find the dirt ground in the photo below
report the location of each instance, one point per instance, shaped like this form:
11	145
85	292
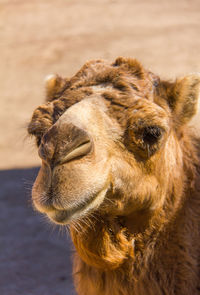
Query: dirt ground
41	37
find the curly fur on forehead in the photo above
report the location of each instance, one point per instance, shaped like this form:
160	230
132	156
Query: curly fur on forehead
125	75
119	82
101	72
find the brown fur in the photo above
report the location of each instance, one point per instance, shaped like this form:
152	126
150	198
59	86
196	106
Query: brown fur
143	235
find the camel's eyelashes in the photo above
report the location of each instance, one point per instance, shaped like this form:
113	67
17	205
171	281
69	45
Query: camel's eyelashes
143	141
147	141
151	134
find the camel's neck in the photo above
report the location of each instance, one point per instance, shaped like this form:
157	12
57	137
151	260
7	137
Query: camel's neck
106	243
109	253
104	259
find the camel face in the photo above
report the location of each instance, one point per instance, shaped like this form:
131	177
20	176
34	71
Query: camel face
90	161
106	151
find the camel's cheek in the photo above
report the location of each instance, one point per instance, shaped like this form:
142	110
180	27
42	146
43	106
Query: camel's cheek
134	190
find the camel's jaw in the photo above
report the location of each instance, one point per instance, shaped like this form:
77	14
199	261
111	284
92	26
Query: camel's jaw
66	216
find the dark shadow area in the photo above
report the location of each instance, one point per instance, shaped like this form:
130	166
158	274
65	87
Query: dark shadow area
35	256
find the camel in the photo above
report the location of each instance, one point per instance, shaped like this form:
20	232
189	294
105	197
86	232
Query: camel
120	168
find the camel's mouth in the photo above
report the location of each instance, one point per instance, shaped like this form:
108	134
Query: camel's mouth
65	216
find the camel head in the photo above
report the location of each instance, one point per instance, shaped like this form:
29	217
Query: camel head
111	141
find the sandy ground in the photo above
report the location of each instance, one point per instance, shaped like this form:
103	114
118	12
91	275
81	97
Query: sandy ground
57	36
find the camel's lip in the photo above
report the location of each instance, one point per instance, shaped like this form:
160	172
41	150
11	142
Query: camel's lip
65	216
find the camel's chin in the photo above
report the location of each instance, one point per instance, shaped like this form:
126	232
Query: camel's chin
64	217
59	216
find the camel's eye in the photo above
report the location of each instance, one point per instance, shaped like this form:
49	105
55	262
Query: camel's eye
151	134
144	141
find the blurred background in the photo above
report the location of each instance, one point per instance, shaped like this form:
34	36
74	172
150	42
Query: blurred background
42	37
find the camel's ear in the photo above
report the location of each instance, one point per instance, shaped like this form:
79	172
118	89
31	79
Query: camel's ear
55	85
184	98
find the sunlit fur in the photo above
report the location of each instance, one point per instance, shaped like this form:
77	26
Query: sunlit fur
133	202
